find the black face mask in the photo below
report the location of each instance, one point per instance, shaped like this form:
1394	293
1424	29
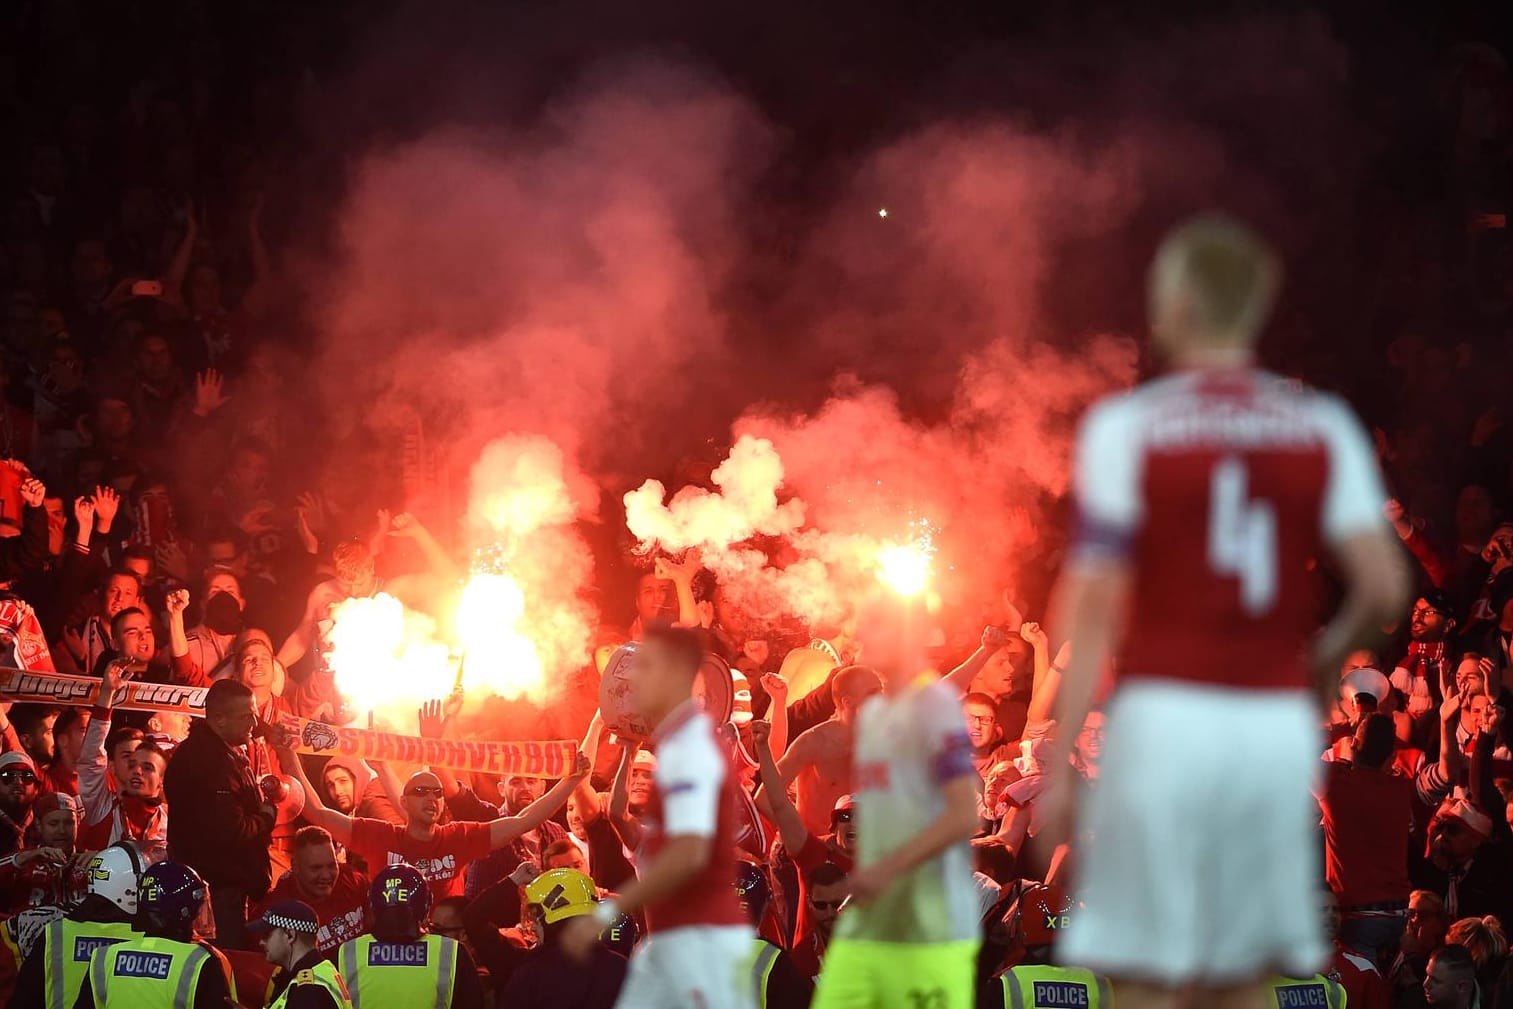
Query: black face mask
223	614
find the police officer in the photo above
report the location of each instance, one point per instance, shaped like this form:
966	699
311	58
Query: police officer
166	968
1033	923
1317	992
397	965
54	970
305	978
777	983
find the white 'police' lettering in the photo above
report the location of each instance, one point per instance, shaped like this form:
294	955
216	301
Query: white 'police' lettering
85	946
1302	996
398	954
132	963
1060	994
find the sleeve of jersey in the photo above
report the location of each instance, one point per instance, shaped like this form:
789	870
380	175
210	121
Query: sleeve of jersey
690	774
1355	494
1105	483
946	738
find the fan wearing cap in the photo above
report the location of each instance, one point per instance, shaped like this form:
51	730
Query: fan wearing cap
36	875
305	979
19	788
1469	870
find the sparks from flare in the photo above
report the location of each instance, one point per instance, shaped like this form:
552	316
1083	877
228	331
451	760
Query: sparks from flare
905	568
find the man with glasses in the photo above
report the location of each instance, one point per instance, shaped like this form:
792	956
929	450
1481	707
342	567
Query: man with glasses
442	852
18	791
825	891
1421	672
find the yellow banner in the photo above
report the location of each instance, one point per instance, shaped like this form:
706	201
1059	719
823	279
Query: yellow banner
35	687
552	759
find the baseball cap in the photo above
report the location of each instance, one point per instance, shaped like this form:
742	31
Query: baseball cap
13	757
1438	600
54	801
646	759
294	915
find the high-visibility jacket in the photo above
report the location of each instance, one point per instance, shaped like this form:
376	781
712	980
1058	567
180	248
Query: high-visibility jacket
68	946
1047	987
1317	992
766	958
323	975
399	975
150	973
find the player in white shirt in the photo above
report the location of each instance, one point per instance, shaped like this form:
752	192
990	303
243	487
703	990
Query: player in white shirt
909	934
1203	499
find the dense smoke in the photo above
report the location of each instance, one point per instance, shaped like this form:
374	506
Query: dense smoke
600	277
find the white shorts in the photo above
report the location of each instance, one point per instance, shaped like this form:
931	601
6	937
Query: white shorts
696	967
1202	867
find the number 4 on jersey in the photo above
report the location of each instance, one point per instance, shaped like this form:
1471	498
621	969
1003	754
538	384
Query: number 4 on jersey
1242	536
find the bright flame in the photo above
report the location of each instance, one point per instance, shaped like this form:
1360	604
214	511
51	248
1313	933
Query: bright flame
497	653
386	657
904	568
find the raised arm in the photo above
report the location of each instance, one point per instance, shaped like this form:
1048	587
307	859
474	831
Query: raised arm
505	829
338	824
777	712
298	642
626	825
772	797
960	679
435	722
589	804
408	527
681	574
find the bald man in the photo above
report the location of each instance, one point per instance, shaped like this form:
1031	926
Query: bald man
440	851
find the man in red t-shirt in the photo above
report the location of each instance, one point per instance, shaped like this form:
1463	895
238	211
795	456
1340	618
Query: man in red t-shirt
1368	815
338	893
440	851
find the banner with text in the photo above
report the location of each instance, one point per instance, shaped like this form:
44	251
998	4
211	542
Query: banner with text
551	759
34	687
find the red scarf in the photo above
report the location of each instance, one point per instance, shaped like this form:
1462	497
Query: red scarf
1426	659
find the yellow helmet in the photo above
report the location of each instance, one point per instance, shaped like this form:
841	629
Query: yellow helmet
561	894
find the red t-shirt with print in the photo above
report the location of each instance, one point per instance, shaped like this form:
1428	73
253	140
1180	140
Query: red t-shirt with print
441	859
342	916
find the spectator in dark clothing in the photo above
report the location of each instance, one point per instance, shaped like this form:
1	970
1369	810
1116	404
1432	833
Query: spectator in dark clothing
228	834
543	978
1472	873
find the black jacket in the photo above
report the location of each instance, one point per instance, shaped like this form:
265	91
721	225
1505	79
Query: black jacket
216	820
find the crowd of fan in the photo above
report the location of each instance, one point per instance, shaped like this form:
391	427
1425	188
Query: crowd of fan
152	524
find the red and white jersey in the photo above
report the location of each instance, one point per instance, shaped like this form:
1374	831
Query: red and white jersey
694	792
1220	488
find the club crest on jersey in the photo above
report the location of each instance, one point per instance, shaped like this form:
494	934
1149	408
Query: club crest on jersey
1060	995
